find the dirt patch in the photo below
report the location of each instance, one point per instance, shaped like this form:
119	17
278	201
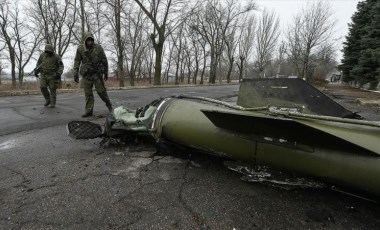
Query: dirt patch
346	90
364	102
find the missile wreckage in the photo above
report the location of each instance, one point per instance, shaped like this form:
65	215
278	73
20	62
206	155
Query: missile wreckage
285	124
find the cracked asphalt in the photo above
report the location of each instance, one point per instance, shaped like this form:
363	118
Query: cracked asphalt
49	181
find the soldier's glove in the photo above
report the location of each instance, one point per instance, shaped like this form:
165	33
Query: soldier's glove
105	77
57	76
76	78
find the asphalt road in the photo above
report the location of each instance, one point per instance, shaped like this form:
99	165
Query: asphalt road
23	113
49	181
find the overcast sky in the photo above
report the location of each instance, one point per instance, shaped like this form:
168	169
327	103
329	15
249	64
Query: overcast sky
343	10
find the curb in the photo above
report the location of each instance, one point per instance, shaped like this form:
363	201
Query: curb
364	101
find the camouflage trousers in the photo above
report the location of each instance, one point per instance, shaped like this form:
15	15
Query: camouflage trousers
88	83
47	83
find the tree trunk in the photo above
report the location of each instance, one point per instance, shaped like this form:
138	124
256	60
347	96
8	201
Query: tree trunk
213	67
150	72
241	68
120	71
20	76
176	82
203	71
195	75
230	70
120	56
157	68
189	77
13	67
132	75
82	19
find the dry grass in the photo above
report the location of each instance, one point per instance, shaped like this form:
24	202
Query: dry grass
7	86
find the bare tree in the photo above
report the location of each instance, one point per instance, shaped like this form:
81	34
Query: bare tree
177	53
280	57
230	41
82	21
189	60
185	55
192	51
93	19
56	19
208	26
21	39
158	12
268	32
27	39
325	61
198	48
205	54
213	20
6	26
197	44
169	59
245	44
148	59
2	65
310	29
117	13
136	42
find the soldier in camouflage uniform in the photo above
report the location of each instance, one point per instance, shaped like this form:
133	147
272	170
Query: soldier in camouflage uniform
50	66
91	62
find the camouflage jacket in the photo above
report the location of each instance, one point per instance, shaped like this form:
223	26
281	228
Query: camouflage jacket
49	64
89	61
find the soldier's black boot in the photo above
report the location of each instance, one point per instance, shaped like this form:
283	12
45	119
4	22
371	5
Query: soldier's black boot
109	106
46	94
52	103
47	102
87	114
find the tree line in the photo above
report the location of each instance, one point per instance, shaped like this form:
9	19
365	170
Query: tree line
189	41
361	51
